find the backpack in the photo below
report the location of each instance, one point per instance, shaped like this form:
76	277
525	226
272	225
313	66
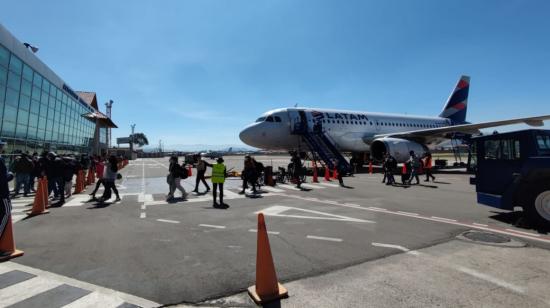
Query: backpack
183	173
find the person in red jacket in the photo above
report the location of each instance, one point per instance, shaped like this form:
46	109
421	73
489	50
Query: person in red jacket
428	167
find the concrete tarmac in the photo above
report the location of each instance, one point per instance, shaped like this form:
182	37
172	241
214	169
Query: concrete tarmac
189	252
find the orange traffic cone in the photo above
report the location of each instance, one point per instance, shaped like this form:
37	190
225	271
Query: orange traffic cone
370	167
78	186
89	180
335	173
315	176
45	193
189	171
39	205
267	287
404	169
7	244
327	174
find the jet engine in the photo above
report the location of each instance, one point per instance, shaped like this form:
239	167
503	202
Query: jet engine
398	148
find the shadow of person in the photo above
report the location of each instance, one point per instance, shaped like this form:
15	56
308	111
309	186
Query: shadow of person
346	186
273	304
254	196
100	205
440	182
426	185
305	189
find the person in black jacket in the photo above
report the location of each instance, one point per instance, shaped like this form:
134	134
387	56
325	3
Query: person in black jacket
54	172
5	204
175	175
201	170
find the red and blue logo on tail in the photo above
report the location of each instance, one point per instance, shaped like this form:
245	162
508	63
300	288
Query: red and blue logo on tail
457	104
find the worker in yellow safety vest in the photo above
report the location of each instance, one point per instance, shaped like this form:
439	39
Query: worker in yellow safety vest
218	178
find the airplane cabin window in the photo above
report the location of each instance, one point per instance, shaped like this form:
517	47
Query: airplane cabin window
370	122
260	119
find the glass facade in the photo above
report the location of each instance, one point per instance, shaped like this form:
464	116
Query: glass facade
36	115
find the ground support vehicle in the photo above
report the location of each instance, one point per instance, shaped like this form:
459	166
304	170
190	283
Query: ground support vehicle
513	169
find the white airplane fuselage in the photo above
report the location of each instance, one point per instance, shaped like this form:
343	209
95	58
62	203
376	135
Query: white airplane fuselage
351	131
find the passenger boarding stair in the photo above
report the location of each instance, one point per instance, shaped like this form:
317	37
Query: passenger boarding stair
322	146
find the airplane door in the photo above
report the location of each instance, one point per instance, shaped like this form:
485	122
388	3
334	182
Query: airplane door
298	120
377	125
294	118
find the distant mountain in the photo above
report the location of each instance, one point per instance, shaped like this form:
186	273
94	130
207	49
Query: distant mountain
201	148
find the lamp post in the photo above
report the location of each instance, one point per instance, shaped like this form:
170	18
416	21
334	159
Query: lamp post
132	140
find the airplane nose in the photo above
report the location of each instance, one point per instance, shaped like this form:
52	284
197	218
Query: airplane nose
247	136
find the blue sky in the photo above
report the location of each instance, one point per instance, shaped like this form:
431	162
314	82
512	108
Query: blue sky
196	72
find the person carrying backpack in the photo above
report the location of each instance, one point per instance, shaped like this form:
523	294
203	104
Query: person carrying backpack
174	178
415	166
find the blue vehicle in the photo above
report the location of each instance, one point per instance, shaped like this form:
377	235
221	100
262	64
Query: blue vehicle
513	169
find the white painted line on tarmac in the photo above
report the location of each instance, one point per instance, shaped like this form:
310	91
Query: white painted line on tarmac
286	186
526	233
447	221
322	238
278	210
377	208
47	280
491	279
398	247
143	206
479	225
329	185
442	218
272	189
268	232
408	213
313	186
169	221
142	215
212	226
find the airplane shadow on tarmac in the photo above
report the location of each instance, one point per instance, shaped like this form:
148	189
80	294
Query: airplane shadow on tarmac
518	220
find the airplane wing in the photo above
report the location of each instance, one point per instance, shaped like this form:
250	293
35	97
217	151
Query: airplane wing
426	135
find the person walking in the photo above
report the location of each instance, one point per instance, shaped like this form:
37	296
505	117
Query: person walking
68	173
219	173
5	203
390	164
415	165
100	172
22	167
249	174
297	169
341	170
201	170
428	167
109	180
175	175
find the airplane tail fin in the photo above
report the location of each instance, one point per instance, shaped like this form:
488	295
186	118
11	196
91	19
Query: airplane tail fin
457	104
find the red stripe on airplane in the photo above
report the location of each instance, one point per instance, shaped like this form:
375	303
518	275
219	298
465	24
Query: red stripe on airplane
459	106
462	84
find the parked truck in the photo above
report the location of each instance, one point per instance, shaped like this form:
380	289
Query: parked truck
513	169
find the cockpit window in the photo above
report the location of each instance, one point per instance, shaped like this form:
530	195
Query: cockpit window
260	119
269	119
277	119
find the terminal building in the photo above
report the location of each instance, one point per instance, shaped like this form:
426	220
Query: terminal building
40	111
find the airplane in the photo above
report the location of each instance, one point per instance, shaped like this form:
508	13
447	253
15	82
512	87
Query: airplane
216	154
371	133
